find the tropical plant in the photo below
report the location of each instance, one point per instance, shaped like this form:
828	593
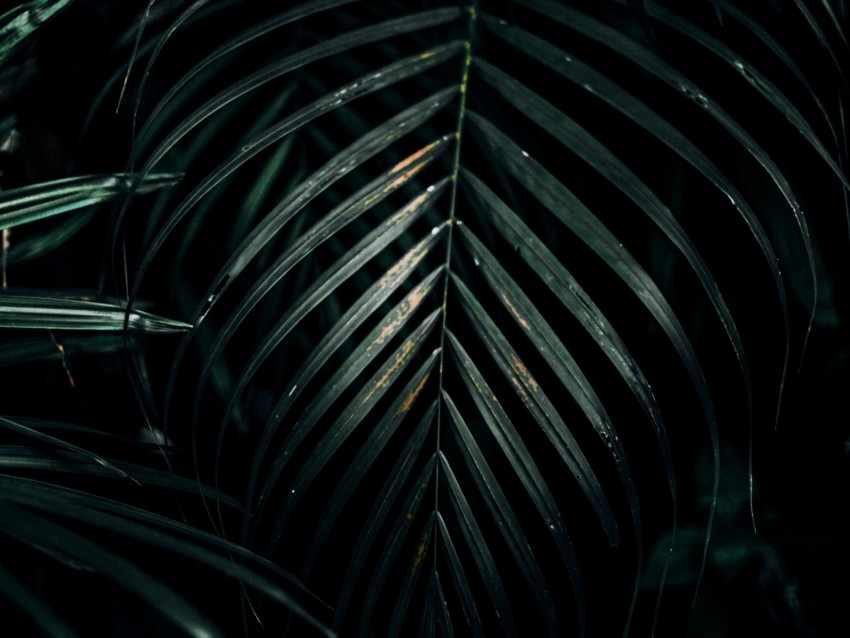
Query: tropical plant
415	318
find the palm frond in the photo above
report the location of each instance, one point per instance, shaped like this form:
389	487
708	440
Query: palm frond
330	421
444	279
31	203
59	312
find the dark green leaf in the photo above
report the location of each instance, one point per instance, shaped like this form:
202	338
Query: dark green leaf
541	409
42	615
58	312
22	428
37	531
459	577
17	24
506	519
30	203
413	575
344	327
371	392
393	543
366	456
756	78
523	464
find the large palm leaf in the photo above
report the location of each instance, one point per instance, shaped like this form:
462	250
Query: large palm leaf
442	287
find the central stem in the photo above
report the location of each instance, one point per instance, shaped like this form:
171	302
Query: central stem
467	64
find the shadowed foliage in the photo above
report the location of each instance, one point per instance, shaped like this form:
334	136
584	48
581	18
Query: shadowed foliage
380	318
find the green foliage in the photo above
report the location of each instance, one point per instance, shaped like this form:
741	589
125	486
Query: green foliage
398	318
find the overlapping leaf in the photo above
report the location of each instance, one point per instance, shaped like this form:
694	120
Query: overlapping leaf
336	413
401	255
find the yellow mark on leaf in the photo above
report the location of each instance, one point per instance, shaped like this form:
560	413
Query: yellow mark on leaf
417	560
515	312
411	208
407	161
405	310
523	372
390	329
412	396
405	265
399	181
400	358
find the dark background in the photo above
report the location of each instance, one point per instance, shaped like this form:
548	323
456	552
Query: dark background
789	578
